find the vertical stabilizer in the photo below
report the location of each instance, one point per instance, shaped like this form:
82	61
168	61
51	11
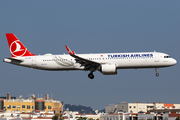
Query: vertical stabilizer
16	47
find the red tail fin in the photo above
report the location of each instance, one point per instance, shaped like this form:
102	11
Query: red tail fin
16	47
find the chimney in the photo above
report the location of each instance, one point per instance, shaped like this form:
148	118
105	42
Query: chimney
47	97
8	96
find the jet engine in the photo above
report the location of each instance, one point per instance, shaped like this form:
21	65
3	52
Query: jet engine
108	69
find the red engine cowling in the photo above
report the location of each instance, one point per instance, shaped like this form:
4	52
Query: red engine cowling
108	69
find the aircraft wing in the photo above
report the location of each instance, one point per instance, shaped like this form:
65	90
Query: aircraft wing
83	61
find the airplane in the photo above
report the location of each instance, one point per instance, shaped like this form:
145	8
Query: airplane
106	63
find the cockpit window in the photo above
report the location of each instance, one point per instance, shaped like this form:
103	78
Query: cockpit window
167	57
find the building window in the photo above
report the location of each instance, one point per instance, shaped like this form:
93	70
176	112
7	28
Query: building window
9	107
14	106
4	107
150	107
49	107
129	106
44	107
134	106
121	117
18	106
28	107
23	106
32	107
23	111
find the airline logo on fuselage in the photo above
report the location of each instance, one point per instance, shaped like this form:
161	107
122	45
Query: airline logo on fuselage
130	55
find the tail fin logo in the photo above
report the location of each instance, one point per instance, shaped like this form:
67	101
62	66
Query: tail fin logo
17	49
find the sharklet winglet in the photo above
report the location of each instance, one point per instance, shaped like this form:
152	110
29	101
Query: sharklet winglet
69	51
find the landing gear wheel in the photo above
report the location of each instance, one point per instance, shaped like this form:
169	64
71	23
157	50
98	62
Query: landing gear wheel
157	74
90	75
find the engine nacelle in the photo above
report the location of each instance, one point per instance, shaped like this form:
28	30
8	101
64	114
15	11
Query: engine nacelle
108	69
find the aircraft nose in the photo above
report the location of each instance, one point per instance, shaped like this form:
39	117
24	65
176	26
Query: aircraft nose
174	61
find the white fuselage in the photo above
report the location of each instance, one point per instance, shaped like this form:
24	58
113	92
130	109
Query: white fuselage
121	61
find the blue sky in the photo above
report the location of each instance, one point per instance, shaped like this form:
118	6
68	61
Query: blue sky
92	27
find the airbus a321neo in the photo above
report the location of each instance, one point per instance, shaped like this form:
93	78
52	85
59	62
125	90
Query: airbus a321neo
106	63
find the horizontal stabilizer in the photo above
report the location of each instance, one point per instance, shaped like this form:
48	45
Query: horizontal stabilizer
13	59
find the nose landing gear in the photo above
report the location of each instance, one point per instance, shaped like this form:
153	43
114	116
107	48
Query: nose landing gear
157	74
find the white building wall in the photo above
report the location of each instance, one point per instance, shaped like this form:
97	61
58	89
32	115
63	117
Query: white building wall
137	107
37	119
141	107
109	108
145	116
134	107
125	117
110	117
159	106
177	106
171	118
122	107
165	116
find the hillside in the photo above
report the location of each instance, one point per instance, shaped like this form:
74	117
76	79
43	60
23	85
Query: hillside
79	108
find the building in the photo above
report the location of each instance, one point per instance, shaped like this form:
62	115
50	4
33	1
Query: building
99	116
29	105
139	107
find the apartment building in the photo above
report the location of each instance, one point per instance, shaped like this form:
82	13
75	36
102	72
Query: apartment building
139	107
29	105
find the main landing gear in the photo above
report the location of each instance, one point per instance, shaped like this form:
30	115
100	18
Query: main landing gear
92	69
90	75
157	74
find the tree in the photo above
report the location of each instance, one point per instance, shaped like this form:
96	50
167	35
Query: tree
81	118
93	119
177	118
85	118
58	117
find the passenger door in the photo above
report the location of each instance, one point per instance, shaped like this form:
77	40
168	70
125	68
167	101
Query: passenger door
156	57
